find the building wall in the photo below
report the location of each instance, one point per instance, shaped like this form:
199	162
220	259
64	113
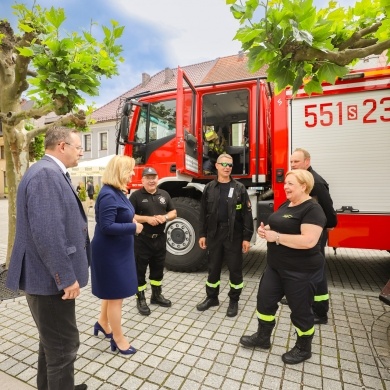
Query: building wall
96	134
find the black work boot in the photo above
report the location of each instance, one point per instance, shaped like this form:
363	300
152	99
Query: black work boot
260	339
320	320
142	307
320	310
300	352
207	303
158	299
232	309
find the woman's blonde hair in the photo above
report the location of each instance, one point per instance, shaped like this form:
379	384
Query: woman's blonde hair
118	171
304	177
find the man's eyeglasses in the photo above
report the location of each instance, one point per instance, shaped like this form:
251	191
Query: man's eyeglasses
79	148
229	165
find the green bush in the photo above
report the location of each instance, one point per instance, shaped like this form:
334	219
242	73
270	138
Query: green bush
83	194
97	189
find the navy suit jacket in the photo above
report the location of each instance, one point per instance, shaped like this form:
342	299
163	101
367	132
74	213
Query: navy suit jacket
52	248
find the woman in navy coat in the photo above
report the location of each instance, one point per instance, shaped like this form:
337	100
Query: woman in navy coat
113	269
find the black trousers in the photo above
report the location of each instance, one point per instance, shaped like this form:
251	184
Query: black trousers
58	340
150	252
299	289
221	249
321	307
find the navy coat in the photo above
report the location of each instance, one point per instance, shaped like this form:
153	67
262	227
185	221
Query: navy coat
113	269
51	249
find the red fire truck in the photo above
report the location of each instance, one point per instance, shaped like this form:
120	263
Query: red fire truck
346	130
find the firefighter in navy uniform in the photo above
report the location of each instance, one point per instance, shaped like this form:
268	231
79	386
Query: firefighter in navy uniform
153	208
226	228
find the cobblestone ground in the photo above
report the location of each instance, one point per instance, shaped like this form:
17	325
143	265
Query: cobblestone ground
181	348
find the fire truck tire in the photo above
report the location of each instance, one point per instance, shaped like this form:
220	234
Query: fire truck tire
183	251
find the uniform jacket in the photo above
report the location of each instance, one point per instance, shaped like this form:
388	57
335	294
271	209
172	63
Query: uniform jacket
320	192
51	249
239	211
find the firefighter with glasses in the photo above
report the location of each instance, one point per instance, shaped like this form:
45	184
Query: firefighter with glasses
226	228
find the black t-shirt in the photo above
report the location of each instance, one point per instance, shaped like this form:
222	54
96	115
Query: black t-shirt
148	204
288	220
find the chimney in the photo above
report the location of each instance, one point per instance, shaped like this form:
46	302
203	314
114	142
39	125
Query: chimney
145	79
240	55
168	75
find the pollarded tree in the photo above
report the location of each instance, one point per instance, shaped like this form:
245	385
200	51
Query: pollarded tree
296	41
55	71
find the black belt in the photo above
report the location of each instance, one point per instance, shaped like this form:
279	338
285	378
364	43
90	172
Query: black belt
151	235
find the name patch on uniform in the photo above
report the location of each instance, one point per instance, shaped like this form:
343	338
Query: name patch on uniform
230	192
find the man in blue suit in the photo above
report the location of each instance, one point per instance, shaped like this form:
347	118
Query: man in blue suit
51	255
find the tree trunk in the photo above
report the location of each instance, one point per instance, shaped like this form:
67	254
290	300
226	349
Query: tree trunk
17	158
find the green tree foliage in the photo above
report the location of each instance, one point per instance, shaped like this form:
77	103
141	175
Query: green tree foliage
83	194
97	190
298	42
56	71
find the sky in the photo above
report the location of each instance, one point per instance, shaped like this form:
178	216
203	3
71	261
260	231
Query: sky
158	34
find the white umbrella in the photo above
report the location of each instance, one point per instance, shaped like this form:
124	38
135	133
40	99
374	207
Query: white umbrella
91	167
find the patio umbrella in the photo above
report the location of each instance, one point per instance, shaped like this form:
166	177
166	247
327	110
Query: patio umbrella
94	167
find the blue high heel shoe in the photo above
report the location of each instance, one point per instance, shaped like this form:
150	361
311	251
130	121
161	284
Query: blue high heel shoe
129	351
98	328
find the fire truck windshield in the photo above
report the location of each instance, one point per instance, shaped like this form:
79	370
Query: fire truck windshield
162	122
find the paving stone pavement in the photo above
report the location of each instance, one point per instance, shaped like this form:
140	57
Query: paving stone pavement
181	348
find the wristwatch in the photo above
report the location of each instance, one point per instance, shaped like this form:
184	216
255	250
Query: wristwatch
277	239
166	217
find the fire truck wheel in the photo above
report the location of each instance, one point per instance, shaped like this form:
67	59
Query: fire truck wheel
183	251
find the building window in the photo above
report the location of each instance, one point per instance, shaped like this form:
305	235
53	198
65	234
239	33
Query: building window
2	155
87	142
103	141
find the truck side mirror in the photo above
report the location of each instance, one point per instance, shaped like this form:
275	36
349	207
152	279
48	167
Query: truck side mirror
124	128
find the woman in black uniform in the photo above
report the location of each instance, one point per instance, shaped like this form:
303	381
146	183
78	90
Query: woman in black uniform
294	266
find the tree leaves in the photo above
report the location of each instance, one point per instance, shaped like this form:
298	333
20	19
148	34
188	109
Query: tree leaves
298	42
66	67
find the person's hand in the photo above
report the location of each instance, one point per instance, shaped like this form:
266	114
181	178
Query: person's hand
202	242
261	230
266	234
160	218
245	246
139	228
153	221
72	292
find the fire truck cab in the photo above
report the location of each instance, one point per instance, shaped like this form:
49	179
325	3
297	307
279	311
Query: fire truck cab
181	132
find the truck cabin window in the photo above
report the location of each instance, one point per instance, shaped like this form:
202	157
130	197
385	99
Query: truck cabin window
162	123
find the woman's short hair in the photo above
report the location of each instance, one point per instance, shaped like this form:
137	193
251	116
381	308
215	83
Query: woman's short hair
304	177
117	172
